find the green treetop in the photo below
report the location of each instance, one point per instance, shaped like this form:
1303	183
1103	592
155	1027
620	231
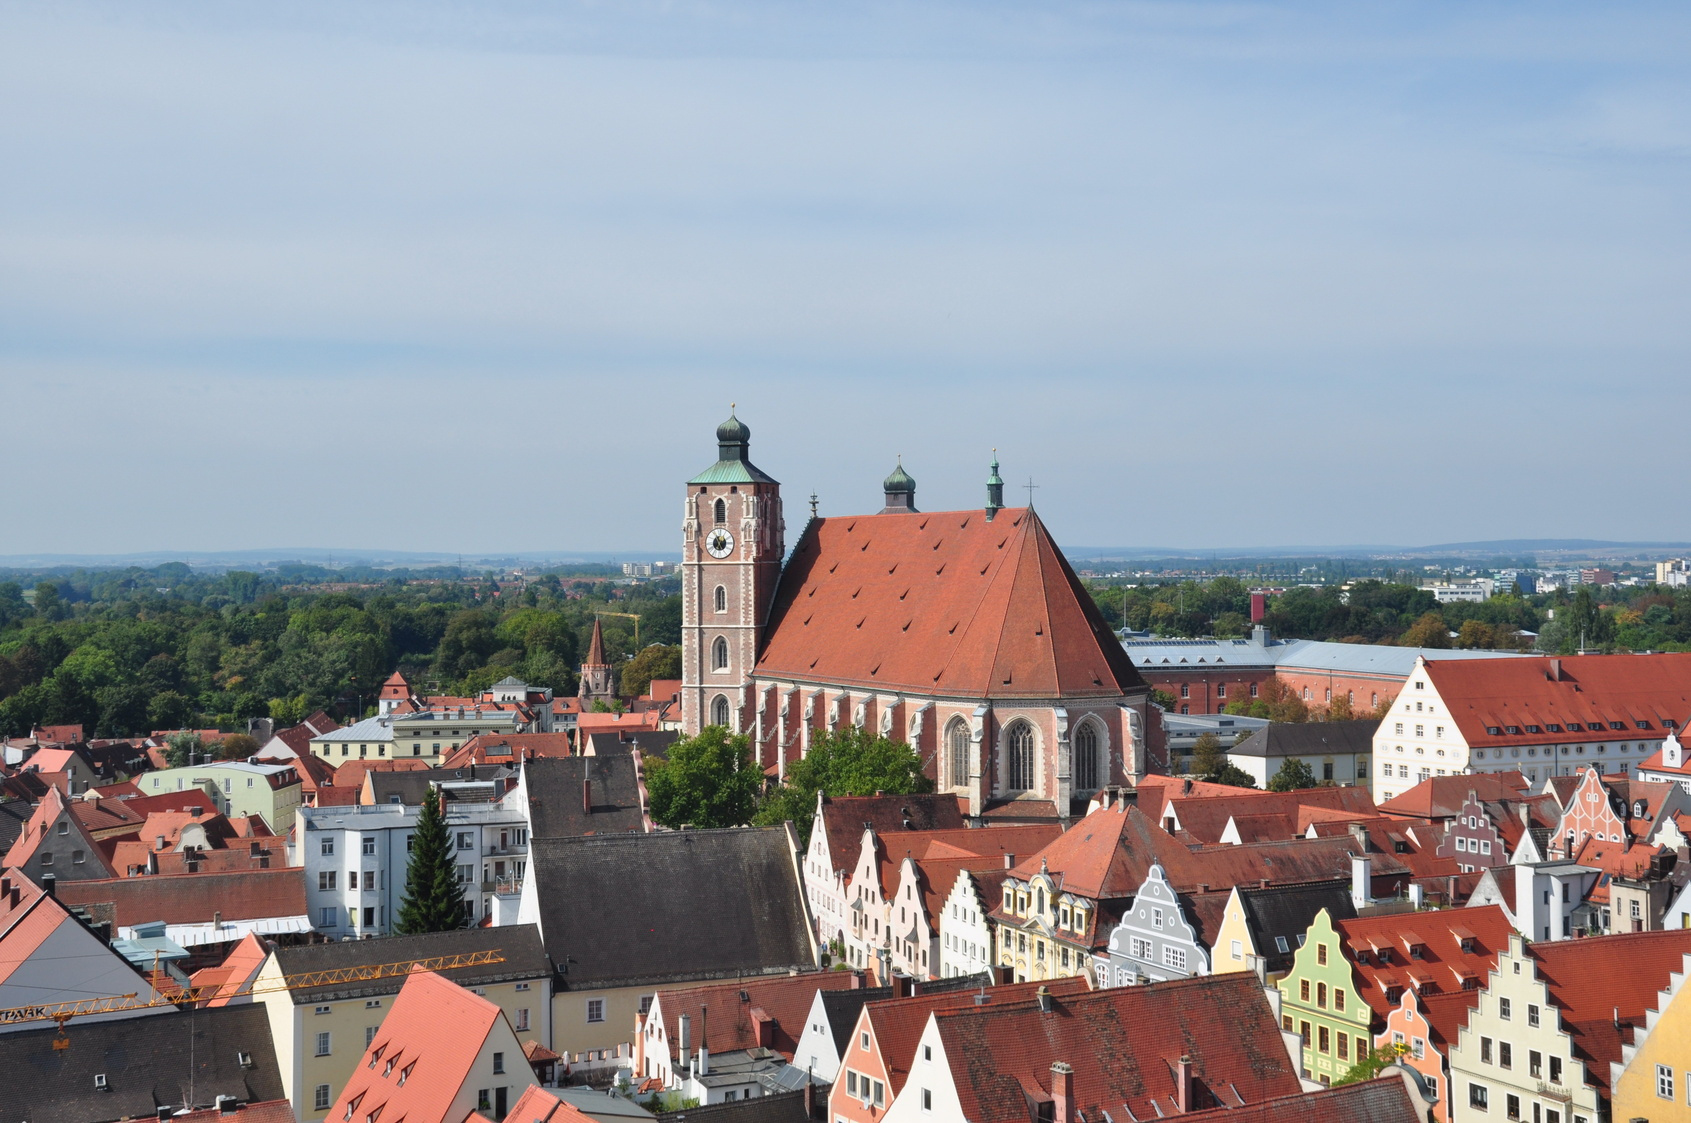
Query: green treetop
708	780
433	901
849	761
1293	774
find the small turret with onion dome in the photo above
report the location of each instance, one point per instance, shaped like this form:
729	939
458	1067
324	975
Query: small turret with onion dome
900	491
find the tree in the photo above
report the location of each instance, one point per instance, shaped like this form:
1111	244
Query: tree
1162	698
1373	1064
653	661
1232	775
433	900
238	746
1429	630
182	749
1207	755
708	780
1293	774
849	761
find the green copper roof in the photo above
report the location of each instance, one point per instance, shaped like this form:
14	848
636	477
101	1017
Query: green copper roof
733	472
899	480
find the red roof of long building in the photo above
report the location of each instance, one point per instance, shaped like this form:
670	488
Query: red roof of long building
1125	1045
1434	952
1591	691
844	818
941	603
724	1015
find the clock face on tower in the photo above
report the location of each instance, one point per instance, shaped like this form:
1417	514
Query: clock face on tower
719	543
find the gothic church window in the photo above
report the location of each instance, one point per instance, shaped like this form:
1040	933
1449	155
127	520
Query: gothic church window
1086	757
719	654
1020	757
957	748
721	599
719	711
721	512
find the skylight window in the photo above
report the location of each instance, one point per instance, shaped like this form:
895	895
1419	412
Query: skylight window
1533	729
1494	730
1554	728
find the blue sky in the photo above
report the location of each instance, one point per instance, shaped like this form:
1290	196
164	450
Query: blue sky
485	276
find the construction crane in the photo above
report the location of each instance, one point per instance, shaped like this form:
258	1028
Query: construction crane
634	616
62	1012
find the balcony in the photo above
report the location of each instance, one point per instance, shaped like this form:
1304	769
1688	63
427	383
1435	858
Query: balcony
503	885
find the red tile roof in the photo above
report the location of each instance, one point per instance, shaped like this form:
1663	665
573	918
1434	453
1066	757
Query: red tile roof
1124	1044
350	776
1584	689
1595	981
1442	965
664	689
1385	1100
1441	797
238	969
411	1070
508	748
723	1014
1205	817
52	807
194	898
62	734
897	1023
590	722
537	1105
940	855
942	602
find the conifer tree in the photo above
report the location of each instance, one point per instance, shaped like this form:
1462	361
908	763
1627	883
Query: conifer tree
433	901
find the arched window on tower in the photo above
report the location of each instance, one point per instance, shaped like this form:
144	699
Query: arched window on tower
719	711
721	599
957	752
719	654
1085	776
1019	743
721	512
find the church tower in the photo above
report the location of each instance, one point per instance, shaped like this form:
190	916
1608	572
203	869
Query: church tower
597	678
732	542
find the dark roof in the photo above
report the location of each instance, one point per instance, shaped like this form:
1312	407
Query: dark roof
1308	739
842	1008
844	818
555	790
786	1107
1385	1100
147	1062
1288	910
671	907
651	742
412	787
193	898
525	958
14	813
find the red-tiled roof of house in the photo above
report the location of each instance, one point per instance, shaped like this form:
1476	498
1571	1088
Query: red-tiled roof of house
1414	844
28	917
297	738
194	898
315	772
1125	1045
1655	762
126	789
1605	979
941	603
411	1070
189	799
728	1012
1385	1100
1589	690
1441	797
537	1105
396	687
59	734
1441	962
53	805
844	818
535	1051
350	776
1205	818
56	760
664	689
337	797
591	722
102	817
237	971
508	748
897	1023
940	855
1155	790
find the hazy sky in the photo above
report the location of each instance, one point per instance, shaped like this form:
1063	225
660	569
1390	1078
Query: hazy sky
484	276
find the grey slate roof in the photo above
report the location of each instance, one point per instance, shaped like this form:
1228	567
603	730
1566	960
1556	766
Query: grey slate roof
672	907
525	958
411	787
148	1063
786	1107
842	1008
650	742
1304	654
555	795
14	813
1308	739
1288	911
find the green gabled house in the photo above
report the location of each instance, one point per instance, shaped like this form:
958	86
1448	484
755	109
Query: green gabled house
1319	1002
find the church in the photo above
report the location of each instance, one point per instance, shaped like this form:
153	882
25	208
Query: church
964	633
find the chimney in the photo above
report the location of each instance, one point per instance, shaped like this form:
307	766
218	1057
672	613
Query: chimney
587	797
152	861
809	1096
639	1042
1183	1084
1555	674
704	1038
50	884
856	980
1186	786
1044	997
1062	1093
1361	880
763	1029
684	1038
216	921
227	1105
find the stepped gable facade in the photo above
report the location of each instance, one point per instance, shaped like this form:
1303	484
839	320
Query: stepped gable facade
964	633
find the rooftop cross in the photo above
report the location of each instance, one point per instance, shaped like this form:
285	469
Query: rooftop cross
1030	485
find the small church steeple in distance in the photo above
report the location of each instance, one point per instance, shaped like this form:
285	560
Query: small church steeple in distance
597	679
994	490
